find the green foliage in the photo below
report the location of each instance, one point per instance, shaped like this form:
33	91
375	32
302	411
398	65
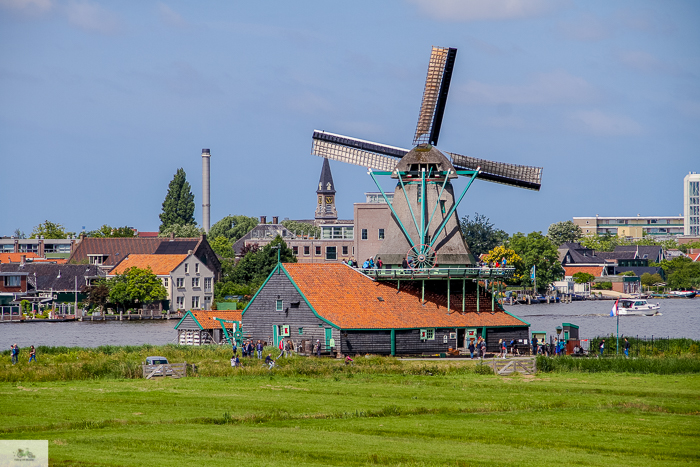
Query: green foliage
255	266
583	277
681	272
222	246
107	231
513	260
98	294
626	273
181	231
233	227
562	232
605	242
223	289
136	286
302	228
178	206
50	230
602	285
25	306
651	279
649	365
686	247
536	249
481	235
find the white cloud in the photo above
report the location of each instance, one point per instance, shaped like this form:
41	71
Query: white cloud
92	17
170	17
26	6
600	123
477	10
558	87
640	60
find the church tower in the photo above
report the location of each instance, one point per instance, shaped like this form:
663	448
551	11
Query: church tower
325	209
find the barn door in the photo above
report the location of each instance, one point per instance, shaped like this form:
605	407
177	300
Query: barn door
328	338
275	335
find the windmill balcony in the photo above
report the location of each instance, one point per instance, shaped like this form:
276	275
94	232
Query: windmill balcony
439	273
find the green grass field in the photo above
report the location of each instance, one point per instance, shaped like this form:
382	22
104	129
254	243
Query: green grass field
343	418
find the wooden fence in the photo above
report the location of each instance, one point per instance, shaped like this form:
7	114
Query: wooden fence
526	366
173	370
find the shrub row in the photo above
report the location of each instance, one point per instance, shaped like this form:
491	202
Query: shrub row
649	365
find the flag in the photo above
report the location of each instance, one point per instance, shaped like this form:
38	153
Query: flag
532	273
613	312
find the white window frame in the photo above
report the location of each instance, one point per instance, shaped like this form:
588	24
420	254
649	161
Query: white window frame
207	284
180	283
195	301
380	234
279	305
195	282
196	268
180	302
187	268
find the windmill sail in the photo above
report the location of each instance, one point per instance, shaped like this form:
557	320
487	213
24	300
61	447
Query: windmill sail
437	86
383	157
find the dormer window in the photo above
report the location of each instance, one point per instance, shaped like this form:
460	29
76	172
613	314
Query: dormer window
97	259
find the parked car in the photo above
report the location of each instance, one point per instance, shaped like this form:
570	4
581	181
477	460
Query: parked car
156	362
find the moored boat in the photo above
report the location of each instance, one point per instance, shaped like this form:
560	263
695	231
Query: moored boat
637	307
681	294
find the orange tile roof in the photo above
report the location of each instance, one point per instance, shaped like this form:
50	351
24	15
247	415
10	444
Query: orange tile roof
694	256
206	317
17	257
349	299
161	265
595	270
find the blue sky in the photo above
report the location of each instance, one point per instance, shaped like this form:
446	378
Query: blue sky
101	102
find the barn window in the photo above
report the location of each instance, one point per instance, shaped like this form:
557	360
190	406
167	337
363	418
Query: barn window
279	305
294	304
430	334
301	331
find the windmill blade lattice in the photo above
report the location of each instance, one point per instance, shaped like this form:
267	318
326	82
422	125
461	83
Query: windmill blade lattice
356	151
437	86
521	176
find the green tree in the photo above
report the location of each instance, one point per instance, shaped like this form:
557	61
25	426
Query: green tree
178	207
222	246
19	234
98	294
302	228
136	286
651	279
562	232
605	242
254	267
681	272
232	227
583	277
182	231
537	250
107	231
686	247
481	235
50	230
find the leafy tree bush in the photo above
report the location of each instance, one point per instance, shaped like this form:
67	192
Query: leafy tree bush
537	250
181	231
232	227
50	229
136	286
302	228
562	232
107	231
222	246
178	206
512	260
481	235
583	277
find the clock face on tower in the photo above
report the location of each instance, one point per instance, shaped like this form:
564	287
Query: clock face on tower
329	200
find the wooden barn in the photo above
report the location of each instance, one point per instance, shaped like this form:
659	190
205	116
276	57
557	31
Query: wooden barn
200	327
339	305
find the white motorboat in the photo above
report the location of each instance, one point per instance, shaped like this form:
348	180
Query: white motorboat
638	307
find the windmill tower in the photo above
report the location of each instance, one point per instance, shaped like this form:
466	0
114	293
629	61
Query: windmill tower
425	231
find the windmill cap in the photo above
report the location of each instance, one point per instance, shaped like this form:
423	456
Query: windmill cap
205	151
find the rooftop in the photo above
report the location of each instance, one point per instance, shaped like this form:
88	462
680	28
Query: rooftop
161	265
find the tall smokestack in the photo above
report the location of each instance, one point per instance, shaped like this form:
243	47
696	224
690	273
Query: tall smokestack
205	190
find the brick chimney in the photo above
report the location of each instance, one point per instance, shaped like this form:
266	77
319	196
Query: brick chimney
22	260
275	219
263	219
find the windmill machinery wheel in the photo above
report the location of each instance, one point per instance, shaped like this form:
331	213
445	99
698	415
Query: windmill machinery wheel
421	257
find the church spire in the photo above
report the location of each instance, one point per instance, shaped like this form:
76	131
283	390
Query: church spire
325	210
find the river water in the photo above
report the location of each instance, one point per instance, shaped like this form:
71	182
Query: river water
679	318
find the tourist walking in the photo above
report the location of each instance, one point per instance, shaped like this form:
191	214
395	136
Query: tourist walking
627	348
259	348
483	347
601	347
504	349
32	354
471	348
281	347
318	348
379	263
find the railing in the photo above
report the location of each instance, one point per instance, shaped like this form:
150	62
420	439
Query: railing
438	273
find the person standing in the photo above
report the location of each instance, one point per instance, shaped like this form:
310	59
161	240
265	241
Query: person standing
471	348
259	348
627	348
483	348
504	348
13	353
32	354
318	348
601	347
379	263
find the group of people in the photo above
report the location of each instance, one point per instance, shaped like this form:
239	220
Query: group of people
250	349
14	354
503	263
369	263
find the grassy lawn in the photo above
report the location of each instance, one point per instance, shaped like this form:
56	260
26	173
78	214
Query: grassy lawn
359	419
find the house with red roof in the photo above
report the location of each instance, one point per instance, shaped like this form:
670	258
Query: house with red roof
189	282
201	327
350	313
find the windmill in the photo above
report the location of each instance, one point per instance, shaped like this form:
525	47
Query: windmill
426	229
